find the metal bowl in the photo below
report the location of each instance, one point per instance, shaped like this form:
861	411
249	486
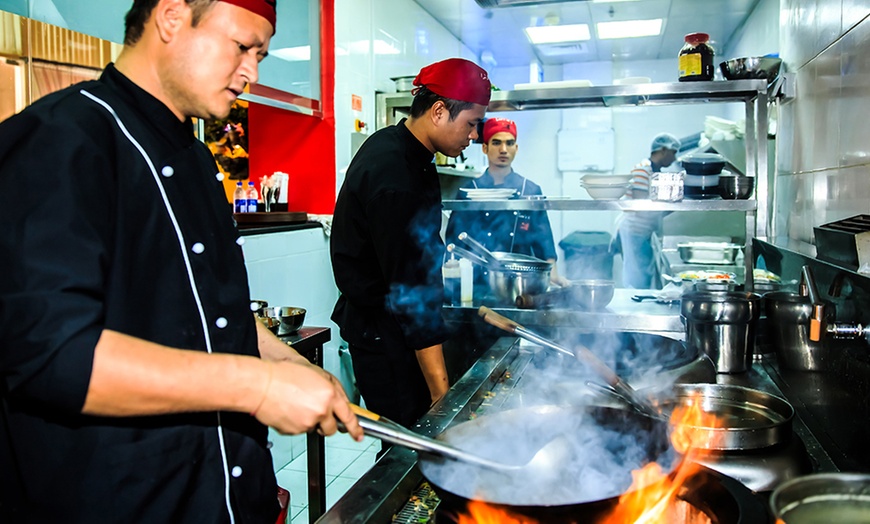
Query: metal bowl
290	319
736	187
591	294
751	67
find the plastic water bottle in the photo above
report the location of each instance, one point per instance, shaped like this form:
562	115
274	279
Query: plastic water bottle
452	284
240	199
252	198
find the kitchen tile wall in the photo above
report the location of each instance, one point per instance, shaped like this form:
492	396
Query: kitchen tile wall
292	268
376	40
823	157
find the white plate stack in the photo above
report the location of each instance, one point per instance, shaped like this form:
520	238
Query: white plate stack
489	194
605	187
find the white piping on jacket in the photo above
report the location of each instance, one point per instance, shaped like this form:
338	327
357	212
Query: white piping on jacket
190	277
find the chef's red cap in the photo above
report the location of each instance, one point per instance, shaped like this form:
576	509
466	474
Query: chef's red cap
498	125
457	79
264	8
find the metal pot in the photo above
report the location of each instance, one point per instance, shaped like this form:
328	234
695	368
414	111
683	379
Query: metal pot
752	419
843	498
722	324
606	444
507	285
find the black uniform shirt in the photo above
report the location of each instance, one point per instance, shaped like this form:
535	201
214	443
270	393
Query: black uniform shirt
113	218
525	232
386	245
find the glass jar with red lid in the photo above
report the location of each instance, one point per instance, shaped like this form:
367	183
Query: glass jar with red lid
696	58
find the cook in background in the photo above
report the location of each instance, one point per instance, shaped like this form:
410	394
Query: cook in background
636	228
386	244
525	232
135	384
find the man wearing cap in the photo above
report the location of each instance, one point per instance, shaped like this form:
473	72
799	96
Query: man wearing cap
135	384
525	232
386	246
636	228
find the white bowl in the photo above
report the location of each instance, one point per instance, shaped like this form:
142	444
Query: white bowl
606	192
605	180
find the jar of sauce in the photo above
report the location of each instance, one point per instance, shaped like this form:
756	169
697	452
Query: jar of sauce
696	58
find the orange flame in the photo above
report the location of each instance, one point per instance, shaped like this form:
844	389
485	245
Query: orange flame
482	513
652	491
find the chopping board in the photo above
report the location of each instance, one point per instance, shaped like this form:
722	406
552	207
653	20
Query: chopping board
274	218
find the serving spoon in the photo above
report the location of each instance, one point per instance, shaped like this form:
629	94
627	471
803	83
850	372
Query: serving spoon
374	425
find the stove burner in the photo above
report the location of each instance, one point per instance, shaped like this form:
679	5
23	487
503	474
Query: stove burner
707	497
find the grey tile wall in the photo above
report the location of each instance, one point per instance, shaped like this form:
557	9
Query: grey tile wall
823	142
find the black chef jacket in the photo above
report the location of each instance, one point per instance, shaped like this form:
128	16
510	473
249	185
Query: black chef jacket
114	217
386	244
525	232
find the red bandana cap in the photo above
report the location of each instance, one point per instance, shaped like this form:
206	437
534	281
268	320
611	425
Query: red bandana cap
456	78
498	125
264	8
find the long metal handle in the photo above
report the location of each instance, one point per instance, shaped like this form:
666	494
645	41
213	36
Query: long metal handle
817	321
582	353
479	248
385	429
464	253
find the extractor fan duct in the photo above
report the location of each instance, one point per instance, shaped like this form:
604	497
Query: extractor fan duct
489	4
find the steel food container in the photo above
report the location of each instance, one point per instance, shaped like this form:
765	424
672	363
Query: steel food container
722	325
708	252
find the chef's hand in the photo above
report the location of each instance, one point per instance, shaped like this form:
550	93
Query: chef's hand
300	397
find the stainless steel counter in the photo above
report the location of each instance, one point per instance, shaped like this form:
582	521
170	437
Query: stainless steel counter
622	314
382	491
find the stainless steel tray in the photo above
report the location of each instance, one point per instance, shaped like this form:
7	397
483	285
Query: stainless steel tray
708	252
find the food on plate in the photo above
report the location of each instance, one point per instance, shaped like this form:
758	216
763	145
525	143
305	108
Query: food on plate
763	274
706	275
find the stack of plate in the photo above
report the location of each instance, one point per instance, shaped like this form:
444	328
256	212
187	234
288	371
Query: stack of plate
605	187
488	194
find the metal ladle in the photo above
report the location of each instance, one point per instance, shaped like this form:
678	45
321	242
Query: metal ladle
374	425
583	353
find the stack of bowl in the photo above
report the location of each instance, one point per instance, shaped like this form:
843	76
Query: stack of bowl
605	187
702	175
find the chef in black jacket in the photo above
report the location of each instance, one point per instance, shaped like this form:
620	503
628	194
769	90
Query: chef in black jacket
386	246
135	385
523	232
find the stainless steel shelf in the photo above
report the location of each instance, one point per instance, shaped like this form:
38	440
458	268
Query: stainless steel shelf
521	204
638	94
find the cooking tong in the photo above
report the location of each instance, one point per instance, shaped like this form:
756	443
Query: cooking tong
620	387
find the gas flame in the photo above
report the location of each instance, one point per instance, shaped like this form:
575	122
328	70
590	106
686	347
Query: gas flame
652	491
482	513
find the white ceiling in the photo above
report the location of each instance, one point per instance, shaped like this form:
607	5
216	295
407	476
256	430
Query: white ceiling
500	30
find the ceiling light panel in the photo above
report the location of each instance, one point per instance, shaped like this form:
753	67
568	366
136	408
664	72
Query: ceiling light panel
629	28
553	34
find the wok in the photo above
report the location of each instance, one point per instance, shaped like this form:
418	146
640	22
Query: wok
604	445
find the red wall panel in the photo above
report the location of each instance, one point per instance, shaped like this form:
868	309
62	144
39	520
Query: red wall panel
300	145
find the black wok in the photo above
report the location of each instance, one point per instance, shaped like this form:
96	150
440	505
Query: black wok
607	443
